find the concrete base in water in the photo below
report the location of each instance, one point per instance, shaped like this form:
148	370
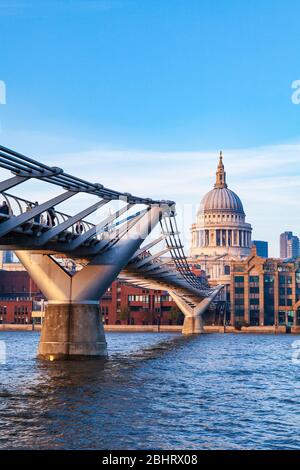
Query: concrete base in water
71	332
192	326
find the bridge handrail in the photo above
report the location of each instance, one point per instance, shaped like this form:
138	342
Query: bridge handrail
27	167
87	225
177	253
58	214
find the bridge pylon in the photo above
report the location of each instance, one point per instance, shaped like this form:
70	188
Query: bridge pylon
193	311
72	327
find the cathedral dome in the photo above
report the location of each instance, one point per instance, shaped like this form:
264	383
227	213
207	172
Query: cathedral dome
221	198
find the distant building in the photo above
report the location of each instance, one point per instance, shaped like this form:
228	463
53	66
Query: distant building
9	261
125	304
293	247
265	292
8	257
289	245
262	248
19	297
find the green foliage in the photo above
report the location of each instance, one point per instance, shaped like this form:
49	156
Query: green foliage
124	314
175	314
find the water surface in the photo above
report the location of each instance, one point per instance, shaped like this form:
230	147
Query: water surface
156	391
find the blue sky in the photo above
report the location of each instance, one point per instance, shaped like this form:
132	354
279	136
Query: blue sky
150	90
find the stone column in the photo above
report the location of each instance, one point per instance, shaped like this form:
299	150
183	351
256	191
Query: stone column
236	238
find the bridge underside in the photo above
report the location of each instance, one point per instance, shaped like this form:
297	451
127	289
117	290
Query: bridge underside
72	327
114	247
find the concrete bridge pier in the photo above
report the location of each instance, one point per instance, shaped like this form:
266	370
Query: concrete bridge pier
193	325
72	331
193	312
72	327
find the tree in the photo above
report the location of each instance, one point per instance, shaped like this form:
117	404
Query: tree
175	315
124	314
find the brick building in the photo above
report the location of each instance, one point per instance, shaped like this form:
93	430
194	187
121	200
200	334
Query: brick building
124	304
18	297
265	291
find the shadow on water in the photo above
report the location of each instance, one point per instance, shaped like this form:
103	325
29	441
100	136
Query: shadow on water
66	373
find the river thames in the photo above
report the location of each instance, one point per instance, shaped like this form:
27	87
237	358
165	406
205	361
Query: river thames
156	391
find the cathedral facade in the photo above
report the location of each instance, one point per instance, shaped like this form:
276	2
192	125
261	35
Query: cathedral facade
220	234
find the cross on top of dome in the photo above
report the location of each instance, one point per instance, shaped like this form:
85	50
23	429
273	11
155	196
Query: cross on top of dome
221	174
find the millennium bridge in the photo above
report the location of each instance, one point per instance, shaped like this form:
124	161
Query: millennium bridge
116	246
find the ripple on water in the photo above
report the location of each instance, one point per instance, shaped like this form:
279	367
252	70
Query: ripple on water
155	391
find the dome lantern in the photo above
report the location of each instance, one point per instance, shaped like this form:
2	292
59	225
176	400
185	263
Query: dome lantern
221	199
221	174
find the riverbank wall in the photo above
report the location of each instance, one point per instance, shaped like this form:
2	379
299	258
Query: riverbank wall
172	329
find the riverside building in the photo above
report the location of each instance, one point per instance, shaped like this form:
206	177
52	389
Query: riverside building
265	292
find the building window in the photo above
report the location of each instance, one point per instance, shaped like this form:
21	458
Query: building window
224	237
285	280
254	317
218	238
239	290
226	270
239	269
269	299
290	318
281	318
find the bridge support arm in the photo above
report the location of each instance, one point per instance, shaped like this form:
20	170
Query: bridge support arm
70	330
72	327
193	314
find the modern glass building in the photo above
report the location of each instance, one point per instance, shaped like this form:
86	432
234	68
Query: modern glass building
262	248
